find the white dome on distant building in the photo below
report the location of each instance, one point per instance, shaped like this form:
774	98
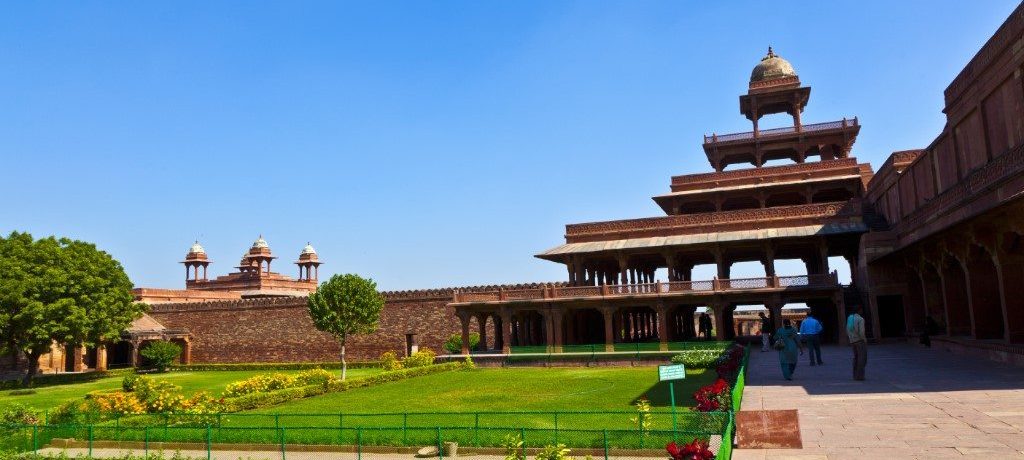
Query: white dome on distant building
196	248
308	249
260	243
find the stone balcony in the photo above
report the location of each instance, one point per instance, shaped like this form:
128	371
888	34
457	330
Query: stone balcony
666	290
828	140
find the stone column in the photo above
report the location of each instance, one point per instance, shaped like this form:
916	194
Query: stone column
556	326
78	361
101	358
186	353
481	322
134	353
662	321
609	328
718	310
774	307
506	331
464	319
841	336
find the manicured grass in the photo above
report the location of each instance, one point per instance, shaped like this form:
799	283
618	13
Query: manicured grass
542	391
190	381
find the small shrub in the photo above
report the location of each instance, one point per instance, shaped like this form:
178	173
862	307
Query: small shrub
21	392
161	354
454	343
549	452
74	412
157	395
697	359
389	361
643	420
468	362
260	384
713	397
424	357
513	445
129	381
16	415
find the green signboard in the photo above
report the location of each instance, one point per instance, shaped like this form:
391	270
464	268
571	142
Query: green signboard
671	372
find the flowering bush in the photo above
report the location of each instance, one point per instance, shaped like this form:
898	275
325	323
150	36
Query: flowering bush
696	450
389	361
314	377
728	364
118	403
424	357
259	384
697	359
713	397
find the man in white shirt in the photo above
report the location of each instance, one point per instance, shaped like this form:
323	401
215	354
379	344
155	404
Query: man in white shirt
858	341
810	332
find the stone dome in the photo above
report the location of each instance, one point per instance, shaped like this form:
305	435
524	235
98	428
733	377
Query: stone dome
308	254
196	248
308	249
771	67
260	243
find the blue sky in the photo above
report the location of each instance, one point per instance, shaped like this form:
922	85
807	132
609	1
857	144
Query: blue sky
424	144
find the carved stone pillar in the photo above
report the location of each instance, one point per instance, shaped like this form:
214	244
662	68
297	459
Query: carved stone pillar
101	358
506	331
481	322
662	321
464	320
609	328
186	353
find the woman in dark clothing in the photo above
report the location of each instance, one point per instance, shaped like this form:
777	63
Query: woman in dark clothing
790	343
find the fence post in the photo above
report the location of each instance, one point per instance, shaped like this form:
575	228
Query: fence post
606	444
281	433
208	442
277	420
90	440
145	441
359	443
556	428
35	439
522	436
476	430
440	452
405	428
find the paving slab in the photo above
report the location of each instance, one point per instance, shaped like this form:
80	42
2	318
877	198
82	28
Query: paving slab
917	402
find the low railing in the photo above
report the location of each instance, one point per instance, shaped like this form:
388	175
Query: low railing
768	133
828	280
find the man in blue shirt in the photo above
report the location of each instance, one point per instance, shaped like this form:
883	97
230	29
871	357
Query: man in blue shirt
810	331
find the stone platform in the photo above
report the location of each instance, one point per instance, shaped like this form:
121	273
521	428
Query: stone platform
917	403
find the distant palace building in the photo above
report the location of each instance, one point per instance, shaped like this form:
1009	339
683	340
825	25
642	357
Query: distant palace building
934	239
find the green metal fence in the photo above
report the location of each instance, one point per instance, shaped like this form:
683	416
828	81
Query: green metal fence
597	433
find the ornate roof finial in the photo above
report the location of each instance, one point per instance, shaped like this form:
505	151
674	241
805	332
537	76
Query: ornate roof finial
771	54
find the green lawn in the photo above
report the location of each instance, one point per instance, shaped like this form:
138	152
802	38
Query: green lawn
190	381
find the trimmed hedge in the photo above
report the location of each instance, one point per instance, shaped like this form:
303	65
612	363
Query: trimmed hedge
271	398
61	379
272	366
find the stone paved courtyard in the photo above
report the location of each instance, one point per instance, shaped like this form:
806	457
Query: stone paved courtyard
916	403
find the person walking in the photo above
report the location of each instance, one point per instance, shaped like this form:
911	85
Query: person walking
766	331
810	332
858	342
787	342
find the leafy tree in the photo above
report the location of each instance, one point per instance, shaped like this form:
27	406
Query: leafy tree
346	305
161	354
60	290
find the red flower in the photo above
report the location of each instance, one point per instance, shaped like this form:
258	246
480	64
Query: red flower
695	450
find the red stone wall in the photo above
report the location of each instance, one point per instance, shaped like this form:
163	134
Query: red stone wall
280	329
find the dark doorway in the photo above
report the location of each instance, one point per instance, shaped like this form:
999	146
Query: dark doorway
891	319
410	341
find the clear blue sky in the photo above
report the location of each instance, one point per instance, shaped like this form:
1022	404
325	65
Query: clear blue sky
424	144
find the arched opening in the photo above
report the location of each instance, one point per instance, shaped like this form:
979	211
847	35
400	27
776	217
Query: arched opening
636	324
741	202
954	284
748	321
913	304
1011	266
528	329
931	293
984	291
584	326
682	324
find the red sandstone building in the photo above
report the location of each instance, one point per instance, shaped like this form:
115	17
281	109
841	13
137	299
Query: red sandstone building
935	233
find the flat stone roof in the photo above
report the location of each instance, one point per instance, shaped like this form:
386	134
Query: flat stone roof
705	238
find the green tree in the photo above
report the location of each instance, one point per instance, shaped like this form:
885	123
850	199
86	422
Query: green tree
346	305
60	291
161	354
